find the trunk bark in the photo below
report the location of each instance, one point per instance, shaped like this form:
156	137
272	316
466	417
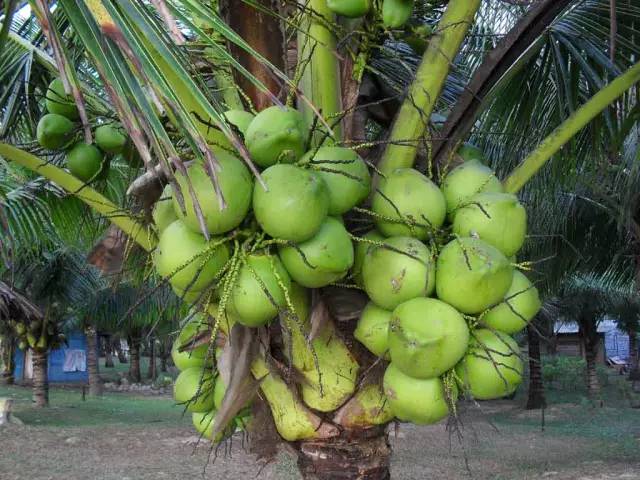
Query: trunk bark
95	386
152	372
40	378
355	455
634	363
108	353
134	354
536	399
7	349
163	356
591	355
122	358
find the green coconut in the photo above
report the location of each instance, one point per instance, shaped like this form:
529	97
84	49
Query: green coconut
497	218
58	102
321	260
276	135
519	306
345	173
203	423
360	251
182	256
190	296
294	205
194	389
470	152
471	275
395	13
373	330
239	119
236	183
402	270
85	161
110	138
407	195
163	213
420	401
54	131
349	8
427	337
196	356
492	367
468	179
250	304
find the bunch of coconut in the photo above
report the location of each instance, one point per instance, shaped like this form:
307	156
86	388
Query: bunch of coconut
59	129
445	297
36	334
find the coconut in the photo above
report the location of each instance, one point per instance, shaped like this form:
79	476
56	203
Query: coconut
85	161
349	8
321	260
469	152
276	134
195	357
373	330
497	218
249	302
294	205
54	131
345	173
203	423
194	389
407	195
427	337
395	13
520	305
468	179
110	139
418	401
471	275
360	251
402	270
492	367
236	184
163	213
58	102
239	119
181	258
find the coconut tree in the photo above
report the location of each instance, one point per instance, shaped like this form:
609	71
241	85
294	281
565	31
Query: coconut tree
184	78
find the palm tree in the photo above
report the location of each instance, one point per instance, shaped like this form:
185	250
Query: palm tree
170	74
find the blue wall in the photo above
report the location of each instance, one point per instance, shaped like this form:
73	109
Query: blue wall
76	341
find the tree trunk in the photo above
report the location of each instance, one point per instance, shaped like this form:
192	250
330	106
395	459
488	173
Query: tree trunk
122	358
134	354
152	372
95	386
591	355
40	378
7	349
108	352
634	364
163	356
355	455
536	399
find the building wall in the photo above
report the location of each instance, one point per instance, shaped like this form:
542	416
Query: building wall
570	344
76	340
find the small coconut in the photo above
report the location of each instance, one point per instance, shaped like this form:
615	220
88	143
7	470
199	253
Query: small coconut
373	329
468	179
194	389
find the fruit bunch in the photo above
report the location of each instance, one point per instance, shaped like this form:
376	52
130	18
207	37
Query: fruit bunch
37	334
59	130
395	13
438	270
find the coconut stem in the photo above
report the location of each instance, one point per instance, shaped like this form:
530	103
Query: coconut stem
413	118
317	55
562	134
129	225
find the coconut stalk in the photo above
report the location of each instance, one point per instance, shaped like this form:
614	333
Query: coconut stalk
572	125
317	55
141	234
411	123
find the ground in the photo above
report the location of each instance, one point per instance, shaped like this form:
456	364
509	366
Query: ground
124	436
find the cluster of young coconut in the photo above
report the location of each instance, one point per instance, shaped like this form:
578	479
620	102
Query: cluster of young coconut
394	13
37	334
439	269
59	130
